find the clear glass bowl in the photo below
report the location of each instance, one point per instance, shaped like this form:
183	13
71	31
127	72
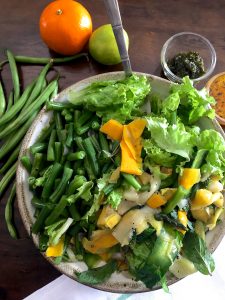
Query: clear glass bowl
186	42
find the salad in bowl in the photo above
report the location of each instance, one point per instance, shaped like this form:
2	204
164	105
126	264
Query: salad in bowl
124	179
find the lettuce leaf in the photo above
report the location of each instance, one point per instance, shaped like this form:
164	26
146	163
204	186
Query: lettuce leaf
211	140
171	138
115	197
119	100
194	104
158	156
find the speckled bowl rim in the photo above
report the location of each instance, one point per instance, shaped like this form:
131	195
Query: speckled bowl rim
114	284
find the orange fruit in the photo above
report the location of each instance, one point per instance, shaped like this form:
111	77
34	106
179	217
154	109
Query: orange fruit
65	26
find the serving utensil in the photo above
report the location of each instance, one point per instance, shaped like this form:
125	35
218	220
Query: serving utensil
113	12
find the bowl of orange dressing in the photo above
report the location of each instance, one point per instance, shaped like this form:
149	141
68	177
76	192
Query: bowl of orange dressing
216	89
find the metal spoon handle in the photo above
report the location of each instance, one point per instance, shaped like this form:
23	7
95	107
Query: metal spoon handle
113	11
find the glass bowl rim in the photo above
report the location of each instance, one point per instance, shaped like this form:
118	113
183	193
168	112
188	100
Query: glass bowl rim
205	40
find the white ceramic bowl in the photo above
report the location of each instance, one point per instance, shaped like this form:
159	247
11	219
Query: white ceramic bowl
119	282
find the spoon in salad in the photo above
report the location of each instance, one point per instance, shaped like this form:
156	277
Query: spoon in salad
113	12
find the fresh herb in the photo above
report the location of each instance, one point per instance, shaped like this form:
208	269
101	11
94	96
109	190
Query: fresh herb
195	250
97	275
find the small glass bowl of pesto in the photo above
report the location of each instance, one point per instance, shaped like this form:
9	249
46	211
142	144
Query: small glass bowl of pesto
188	54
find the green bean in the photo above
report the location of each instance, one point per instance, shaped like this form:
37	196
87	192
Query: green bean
2	100
74	212
39	86
107	167
68	117
51	151
88	169
91	155
76	116
26	114
57	211
9	213
59	126
69	139
77	182
45	60
58	151
58	106
80	171
64	112
47	189
5	181
131	180
26	162
95	125
95	143
12	142
81	130
85	116
15	109
76	156
104	145
38	147
43	242
108	188
180	193
45	133
78	141
40	220
10	101
199	158
13	157
38	161
37	203
67	174
15	76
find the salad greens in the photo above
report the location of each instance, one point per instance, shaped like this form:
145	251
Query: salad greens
144	216
120	100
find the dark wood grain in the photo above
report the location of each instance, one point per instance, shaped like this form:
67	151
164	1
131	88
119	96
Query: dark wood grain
149	24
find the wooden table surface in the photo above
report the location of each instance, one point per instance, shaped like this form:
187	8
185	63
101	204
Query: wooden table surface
149	24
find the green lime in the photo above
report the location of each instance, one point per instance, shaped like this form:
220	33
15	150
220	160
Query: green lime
103	47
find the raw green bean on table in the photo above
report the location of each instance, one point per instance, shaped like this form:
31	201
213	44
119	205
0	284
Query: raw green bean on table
39	85
15	75
13	157
9	212
44	60
6	179
2	100
10	101
15	139
27	113
16	108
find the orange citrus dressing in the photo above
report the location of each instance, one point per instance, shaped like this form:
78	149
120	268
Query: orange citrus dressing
217	90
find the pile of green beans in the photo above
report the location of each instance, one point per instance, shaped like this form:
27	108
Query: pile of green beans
70	152
17	112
